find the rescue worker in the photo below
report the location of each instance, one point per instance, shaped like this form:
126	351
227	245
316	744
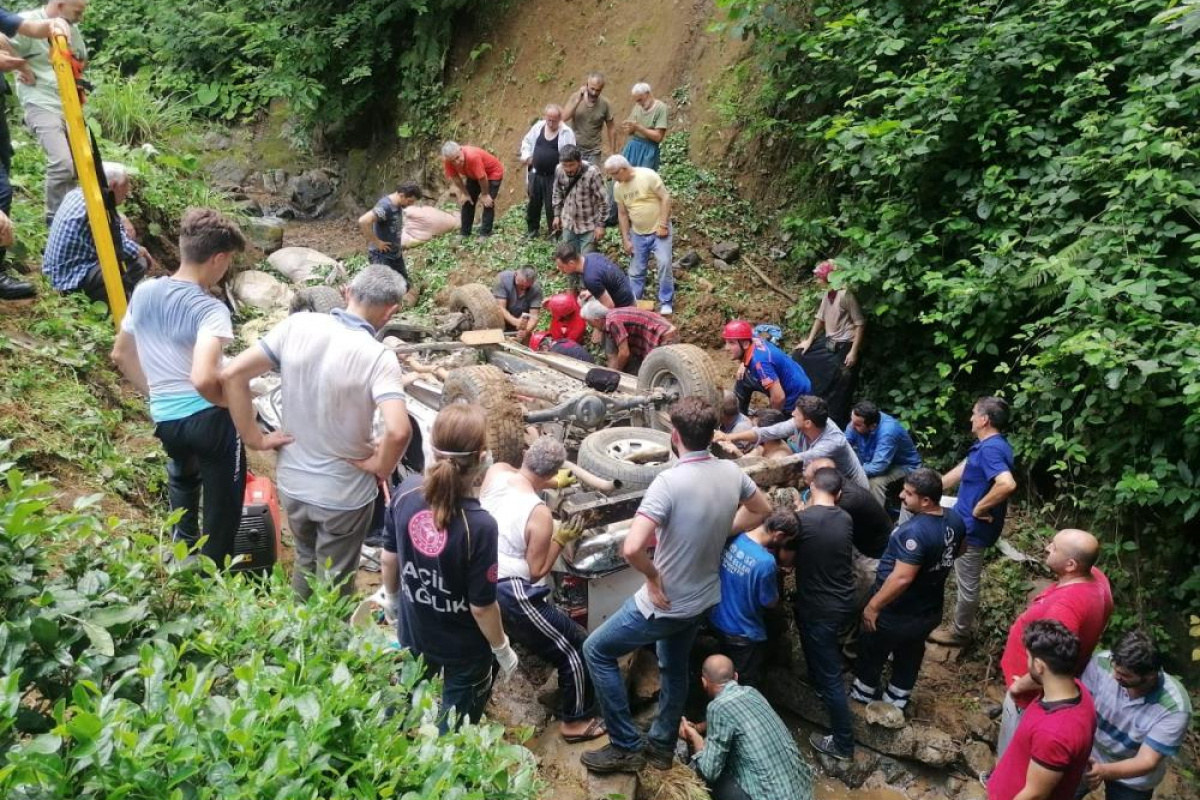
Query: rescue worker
764	368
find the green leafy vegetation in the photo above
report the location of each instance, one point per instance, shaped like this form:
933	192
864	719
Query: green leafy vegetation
338	65
1013	191
124	675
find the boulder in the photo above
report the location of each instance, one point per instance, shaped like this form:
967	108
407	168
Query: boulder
303	265
274	180
228	172
726	251
978	757
311	192
266	233
259	290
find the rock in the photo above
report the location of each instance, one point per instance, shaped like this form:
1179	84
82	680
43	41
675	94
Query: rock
726	251
303	265
971	790
514	703
274	180
616	786
854	772
778	253
722	265
885	715
690	260
260	290
941	654
228	171
980	726
644	679
216	140
978	757
266	233
311	192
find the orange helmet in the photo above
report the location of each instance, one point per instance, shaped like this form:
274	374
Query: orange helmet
736	330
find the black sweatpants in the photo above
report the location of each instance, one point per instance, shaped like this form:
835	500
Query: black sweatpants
468	209
903	638
206	457
541	201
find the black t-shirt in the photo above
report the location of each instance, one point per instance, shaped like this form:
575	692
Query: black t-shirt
824	564
442	574
601	275
872	524
930	542
545	154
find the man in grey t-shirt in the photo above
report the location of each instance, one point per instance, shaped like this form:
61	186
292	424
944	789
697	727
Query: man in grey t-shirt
694	508
519	296
811	432
334	376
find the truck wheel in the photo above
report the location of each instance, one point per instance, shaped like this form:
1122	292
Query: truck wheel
488	386
605	453
476	301
321	299
681	368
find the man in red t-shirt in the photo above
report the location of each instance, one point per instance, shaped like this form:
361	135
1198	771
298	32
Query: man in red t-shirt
470	169
1049	751
1081	600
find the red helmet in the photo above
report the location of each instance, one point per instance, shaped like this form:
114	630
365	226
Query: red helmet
535	341
737	329
562	305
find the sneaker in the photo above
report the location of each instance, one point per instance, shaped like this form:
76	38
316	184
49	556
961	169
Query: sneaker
666	310
824	744
611	758
659	759
13	289
531	235
946	635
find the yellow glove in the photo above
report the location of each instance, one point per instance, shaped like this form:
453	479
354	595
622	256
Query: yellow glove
564	478
567	532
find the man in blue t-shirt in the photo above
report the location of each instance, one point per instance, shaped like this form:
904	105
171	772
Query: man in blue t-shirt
764	368
602	279
909	589
749	586
383	226
985	480
882	445
169	347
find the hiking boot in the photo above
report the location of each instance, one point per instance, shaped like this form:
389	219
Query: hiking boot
13	289
659	759
824	744
947	636
611	758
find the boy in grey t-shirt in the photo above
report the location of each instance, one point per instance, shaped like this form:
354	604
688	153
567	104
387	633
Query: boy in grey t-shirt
169	347
694	508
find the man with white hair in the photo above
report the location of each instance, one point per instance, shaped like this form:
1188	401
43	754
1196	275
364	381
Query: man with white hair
471	169
646	128
630	333
528	545
540	155
644	211
334	376
71	261
37	89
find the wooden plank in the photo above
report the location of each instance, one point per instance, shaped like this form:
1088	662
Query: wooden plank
571	367
490	336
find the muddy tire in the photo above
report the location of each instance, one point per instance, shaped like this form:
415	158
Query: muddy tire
319	299
683	368
488	386
476	301
601	454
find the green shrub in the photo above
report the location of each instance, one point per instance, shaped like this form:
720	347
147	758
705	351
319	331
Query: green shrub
1014	189
128	111
122	676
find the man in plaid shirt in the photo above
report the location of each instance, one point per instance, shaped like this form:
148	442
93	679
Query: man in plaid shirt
71	262
630	333
749	752
580	201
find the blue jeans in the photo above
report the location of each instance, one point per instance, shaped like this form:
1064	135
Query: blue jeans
643	246
823	654
466	689
584	242
624	632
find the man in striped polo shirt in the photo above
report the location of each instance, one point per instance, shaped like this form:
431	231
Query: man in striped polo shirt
1142	717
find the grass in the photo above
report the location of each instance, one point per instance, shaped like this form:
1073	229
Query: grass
129	113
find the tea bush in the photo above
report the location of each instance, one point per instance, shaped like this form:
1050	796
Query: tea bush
124	676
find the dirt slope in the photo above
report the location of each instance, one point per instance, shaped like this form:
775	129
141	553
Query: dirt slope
532	52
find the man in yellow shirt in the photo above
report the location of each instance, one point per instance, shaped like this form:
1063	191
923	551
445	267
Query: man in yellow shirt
644	212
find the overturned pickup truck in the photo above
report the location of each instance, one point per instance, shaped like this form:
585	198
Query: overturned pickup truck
614	426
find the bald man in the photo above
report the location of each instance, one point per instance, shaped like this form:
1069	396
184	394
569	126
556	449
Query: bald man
1080	599
749	752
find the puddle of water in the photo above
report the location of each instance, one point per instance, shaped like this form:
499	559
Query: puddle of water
829	789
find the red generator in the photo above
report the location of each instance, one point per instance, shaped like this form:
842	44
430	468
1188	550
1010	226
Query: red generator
257	538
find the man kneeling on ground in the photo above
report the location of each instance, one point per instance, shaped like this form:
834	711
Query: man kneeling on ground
629	333
71	261
749	753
